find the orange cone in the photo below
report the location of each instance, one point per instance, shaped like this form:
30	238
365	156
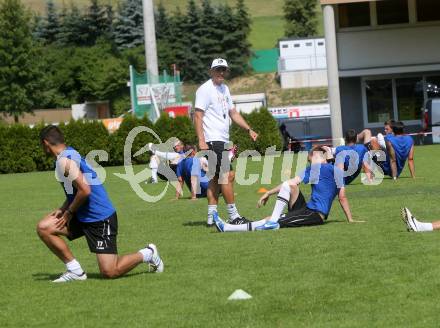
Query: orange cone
262	190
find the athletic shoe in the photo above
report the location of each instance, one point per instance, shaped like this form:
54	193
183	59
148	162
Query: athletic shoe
239	220
70	276
269	225
408	219
156	263
220	225
150	181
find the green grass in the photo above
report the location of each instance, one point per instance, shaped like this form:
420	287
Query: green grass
256	7
266	31
373	274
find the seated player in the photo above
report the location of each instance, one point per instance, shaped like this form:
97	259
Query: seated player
398	148
174	157
413	224
351	157
326	182
365	136
192	171
87	211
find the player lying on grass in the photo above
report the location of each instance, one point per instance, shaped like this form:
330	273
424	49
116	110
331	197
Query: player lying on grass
415	225
326	182
399	148
352	158
192	172
87	211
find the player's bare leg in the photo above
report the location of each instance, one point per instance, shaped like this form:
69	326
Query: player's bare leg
51	236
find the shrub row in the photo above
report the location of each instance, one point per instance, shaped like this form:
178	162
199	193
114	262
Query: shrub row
20	149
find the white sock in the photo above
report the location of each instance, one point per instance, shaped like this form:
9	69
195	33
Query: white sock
211	210
233	212
243	227
154	174
282	200
423	226
147	254
75	267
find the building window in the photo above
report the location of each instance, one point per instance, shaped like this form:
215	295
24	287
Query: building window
296	45
354	14
320	43
379	100
428	10
285	46
433	86
392	12
409	95
309	44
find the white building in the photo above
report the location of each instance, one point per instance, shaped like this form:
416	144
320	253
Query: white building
383	57
302	63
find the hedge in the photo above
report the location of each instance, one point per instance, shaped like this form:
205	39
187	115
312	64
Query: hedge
20	149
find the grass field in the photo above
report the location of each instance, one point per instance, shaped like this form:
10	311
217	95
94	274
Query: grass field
372	274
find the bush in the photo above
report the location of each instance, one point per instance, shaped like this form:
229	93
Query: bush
17	146
117	141
265	125
180	127
20	149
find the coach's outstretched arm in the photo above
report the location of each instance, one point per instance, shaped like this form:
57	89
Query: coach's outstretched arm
412	169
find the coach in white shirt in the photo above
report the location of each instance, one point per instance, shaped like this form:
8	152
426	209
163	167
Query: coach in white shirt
213	113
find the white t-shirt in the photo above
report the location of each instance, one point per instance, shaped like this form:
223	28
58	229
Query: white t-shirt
216	102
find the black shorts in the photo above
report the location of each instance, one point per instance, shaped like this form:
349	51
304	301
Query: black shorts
100	235
218	147
299	215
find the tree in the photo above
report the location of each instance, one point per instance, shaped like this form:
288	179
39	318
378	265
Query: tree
96	21
194	69
52	23
129	31
20	75
243	27
211	34
73	29
300	16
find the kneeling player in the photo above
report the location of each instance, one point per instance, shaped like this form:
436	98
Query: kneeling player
87	211
327	182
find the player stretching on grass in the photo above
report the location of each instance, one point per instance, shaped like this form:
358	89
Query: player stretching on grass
351	157
87	211
399	148
327	181
415	225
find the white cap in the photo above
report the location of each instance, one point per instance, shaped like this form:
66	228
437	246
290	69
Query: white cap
219	62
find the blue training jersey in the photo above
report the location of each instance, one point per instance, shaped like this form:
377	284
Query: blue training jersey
97	207
326	180
352	156
402	146
191	166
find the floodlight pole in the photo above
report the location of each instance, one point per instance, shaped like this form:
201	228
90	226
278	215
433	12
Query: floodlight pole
150	41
